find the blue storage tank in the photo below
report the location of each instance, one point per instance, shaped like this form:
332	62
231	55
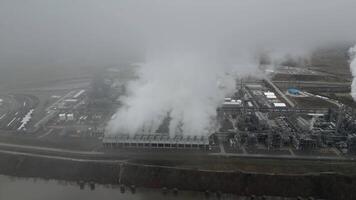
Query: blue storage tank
293	91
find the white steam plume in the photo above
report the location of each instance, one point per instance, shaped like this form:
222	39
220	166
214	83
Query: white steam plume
189	46
185	45
352	54
189	86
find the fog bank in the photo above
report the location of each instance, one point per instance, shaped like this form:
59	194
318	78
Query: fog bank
190	50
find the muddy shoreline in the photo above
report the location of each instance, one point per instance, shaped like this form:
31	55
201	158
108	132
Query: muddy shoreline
324	185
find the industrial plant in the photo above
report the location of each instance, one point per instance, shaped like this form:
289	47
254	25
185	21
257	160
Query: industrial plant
155	99
264	117
288	114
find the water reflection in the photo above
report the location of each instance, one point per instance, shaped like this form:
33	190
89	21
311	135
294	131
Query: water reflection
15	188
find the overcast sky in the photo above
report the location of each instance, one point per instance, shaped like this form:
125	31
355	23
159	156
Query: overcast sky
185	45
91	32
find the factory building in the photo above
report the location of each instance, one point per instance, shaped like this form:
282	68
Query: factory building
232	102
156	141
70	117
304	142
62	117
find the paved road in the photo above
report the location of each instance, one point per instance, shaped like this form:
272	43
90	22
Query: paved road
73	154
58	157
289	157
49	149
291	104
319	83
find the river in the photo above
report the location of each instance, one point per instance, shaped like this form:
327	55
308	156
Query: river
15	188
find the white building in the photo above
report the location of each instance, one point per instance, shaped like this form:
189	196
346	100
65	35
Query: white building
62	116
70	116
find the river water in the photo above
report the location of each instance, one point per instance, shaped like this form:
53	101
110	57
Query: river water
14	188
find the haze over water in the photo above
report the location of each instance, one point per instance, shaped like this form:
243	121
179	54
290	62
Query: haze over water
34	189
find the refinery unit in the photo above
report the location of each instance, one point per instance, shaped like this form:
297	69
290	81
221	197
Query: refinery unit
257	119
276	127
157	141
262	116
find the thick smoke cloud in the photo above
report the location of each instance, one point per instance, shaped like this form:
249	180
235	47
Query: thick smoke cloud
186	85
352	54
186	47
190	45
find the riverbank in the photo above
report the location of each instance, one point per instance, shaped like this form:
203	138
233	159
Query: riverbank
43	189
322	185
